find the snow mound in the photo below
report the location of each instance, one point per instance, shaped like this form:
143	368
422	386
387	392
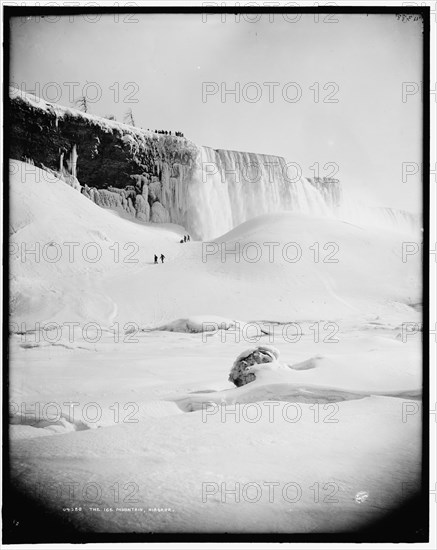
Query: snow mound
320	379
48	426
199	323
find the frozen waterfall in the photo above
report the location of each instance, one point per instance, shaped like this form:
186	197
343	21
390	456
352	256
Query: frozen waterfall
230	187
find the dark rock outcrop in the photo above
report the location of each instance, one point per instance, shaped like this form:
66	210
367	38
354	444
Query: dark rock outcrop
118	166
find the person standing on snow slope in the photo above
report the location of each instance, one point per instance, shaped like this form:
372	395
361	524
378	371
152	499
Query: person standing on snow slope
156	259
162	258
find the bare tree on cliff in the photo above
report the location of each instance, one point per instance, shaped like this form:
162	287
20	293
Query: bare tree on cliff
129	117
82	104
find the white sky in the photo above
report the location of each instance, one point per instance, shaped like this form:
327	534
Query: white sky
369	133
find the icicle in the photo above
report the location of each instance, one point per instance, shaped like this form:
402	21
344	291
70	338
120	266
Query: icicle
72	162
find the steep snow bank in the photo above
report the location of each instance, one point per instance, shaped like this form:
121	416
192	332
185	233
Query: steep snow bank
63	246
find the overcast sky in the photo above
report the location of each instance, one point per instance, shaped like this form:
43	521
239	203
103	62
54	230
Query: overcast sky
167	59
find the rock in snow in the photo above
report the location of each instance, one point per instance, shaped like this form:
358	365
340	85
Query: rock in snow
239	374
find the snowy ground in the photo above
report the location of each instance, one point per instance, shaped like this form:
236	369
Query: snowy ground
145	420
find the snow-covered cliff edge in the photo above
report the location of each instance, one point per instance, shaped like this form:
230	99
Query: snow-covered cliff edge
156	177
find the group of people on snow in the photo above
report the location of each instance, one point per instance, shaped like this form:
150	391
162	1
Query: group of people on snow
167	133
162	257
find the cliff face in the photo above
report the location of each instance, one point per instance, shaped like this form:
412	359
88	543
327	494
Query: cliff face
118	166
159	178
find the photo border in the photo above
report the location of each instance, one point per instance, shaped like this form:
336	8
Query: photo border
410	522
